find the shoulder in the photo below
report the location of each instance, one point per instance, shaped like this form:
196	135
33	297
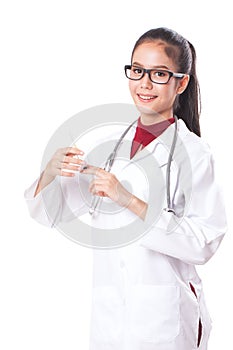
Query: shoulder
196	147
198	160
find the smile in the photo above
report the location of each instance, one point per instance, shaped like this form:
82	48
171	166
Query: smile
146	98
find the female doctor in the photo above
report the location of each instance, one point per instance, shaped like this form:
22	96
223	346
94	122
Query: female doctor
147	295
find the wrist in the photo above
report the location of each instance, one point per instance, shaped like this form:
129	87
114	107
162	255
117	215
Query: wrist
137	206
43	181
46	178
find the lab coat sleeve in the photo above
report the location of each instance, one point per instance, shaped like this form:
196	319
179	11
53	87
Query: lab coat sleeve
195	236
57	202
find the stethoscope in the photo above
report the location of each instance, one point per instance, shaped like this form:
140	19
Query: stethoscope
112	156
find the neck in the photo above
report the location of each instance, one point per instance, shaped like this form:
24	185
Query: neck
150	119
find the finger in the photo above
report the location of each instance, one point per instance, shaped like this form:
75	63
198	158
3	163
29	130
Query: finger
66	174
73	160
71	151
74	151
100	185
97	190
70	167
58	165
93	170
61	172
101	194
97	182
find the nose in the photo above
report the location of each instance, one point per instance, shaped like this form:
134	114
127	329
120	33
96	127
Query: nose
146	83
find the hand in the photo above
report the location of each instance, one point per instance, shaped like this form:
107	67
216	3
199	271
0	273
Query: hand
65	162
106	184
64	159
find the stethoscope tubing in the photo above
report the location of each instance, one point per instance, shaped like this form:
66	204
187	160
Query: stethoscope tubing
168	172
111	158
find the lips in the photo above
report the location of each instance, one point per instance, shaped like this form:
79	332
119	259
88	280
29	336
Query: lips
146	98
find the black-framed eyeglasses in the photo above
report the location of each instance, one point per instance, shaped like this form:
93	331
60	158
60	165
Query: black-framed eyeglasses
158	76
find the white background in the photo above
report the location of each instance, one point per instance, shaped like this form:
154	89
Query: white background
59	58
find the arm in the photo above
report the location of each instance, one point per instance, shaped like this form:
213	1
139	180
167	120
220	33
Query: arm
106	184
137	206
48	197
195	236
64	159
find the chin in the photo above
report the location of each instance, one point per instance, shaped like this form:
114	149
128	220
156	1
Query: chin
147	111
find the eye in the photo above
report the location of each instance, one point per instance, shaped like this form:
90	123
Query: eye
136	70
160	74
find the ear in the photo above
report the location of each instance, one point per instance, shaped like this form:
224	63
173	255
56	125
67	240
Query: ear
183	83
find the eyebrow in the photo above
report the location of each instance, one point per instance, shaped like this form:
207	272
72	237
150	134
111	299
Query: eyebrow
141	65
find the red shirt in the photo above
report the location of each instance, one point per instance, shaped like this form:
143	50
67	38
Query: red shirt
146	133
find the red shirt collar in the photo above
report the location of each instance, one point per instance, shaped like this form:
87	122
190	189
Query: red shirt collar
145	134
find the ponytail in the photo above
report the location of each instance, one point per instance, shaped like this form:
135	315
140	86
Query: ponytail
188	105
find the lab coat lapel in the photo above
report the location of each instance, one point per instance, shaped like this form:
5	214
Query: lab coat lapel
160	147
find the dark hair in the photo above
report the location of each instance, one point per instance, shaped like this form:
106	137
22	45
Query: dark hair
187	105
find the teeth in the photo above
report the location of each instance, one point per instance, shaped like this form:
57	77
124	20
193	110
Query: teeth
146	97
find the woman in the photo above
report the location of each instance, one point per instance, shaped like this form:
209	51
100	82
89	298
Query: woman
147	294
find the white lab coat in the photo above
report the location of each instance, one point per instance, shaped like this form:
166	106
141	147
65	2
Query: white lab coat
142	298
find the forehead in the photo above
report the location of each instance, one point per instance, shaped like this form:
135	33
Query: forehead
156	53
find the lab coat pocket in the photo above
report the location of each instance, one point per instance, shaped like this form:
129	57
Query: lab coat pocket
107	315
155	313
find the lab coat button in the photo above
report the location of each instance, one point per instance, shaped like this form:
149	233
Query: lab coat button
122	264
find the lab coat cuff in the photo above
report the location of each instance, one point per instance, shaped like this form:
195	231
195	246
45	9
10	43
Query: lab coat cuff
36	204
